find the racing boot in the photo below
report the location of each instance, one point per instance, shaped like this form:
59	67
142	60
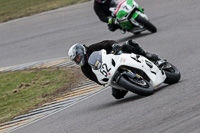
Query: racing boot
118	94
139	50
132	46
152	57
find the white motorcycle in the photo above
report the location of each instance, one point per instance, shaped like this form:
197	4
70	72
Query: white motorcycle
132	72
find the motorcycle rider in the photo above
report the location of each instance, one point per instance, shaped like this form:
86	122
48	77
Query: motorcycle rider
80	53
101	8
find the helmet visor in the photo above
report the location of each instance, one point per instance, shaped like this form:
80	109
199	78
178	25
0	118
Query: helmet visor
79	56
78	59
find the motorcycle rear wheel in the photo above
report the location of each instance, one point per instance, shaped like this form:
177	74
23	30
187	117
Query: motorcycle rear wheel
138	86
148	25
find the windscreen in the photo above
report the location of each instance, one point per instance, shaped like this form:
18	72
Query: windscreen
95	60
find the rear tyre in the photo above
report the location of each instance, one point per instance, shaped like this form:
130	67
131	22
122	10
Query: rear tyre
148	25
138	86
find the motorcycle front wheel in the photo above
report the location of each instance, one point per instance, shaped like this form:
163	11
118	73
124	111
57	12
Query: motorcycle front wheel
173	75
148	25
138	86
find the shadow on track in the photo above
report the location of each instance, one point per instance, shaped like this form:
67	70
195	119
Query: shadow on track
161	88
118	102
130	98
164	86
132	37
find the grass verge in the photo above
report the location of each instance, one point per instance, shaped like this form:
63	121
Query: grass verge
12	9
22	91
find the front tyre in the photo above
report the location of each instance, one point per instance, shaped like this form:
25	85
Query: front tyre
148	25
138	86
173	75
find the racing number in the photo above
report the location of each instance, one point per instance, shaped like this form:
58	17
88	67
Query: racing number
104	70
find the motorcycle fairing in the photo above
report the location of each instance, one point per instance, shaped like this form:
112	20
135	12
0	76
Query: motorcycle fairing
107	70
126	12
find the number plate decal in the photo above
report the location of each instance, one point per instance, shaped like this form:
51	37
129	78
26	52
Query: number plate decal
105	70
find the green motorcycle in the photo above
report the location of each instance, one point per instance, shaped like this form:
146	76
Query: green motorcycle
130	17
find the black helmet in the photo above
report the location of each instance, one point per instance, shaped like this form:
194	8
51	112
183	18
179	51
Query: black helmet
101	1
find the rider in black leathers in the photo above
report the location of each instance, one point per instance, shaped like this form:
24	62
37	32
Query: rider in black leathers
109	45
101	8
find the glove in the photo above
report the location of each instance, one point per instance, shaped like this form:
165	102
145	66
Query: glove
111	20
112	27
116	48
111	24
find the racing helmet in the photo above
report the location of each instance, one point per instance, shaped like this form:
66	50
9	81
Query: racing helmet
77	53
101	1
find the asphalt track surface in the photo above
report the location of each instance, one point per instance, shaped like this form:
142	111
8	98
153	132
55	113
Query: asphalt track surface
172	109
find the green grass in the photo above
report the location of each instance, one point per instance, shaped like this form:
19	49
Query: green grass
12	9
24	90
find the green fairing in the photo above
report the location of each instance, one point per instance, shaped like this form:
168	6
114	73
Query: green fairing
121	14
140	9
135	15
130	2
126	25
